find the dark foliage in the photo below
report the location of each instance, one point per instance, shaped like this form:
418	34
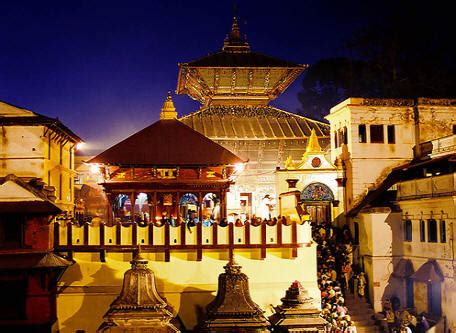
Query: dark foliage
410	54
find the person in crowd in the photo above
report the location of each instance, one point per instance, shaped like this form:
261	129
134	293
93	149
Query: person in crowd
361	284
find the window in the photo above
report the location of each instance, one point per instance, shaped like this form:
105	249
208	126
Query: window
408	230
391	134
61	154
362	133
422	231
442	231
336	139
454	129
345	135
432	231
376	132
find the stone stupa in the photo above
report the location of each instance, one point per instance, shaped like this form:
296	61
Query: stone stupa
233	310
139	308
298	312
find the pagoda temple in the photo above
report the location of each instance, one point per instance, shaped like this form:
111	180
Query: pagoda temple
235	87
167	173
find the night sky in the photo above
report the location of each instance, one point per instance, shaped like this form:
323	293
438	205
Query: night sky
104	67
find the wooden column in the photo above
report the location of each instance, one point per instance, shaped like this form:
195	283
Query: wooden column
178	198
132	202
263	240
110	198
200	201
154	208
222	203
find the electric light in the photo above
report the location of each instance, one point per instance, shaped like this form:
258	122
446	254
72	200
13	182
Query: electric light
94	168
80	146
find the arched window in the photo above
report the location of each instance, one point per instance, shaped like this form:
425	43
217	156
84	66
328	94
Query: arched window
189	208
121	208
142	209
317	192
211	209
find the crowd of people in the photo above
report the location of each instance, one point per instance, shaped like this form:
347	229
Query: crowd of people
336	275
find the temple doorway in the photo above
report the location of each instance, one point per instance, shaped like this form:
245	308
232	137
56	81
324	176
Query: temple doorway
316	200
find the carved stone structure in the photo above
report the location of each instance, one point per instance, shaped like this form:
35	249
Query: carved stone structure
298	313
233	310
139	308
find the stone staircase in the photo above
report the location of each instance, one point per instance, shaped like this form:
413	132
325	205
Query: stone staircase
363	315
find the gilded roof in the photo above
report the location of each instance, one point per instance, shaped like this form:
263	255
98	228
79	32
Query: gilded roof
248	59
252	122
167	143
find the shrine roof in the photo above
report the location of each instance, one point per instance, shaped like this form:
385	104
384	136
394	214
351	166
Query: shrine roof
239	59
253	122
24	260
167	142
19	196
11	115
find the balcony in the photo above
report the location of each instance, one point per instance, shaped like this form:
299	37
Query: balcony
430	187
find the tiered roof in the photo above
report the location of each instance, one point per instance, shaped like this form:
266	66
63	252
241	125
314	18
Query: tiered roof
236	74
167	142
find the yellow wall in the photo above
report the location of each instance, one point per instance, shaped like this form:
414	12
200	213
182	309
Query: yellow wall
24	151
89	286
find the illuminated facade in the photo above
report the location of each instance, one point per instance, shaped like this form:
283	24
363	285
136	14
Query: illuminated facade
179	218
402	210
235	87
36	146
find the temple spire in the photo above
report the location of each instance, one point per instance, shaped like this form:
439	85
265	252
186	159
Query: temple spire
168	110
234	42
313	146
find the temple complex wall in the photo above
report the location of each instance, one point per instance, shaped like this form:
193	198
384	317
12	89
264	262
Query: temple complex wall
89	286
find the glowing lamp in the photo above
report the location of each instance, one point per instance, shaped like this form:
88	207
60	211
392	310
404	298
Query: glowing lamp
94	168
80	145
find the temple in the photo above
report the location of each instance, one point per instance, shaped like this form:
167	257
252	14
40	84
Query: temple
184	177
235	87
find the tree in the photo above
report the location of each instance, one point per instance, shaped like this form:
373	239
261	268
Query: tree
408	55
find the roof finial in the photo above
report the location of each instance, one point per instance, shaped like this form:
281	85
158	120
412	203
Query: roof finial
233	42
235	33
313	146
168	110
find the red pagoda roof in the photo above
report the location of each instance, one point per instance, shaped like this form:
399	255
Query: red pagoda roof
167	142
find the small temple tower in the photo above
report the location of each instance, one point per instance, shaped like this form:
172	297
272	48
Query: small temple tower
139	308
235	87
233	310
310	187
298	312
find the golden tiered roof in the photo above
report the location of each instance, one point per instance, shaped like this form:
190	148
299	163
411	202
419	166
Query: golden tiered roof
252	122
236	75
